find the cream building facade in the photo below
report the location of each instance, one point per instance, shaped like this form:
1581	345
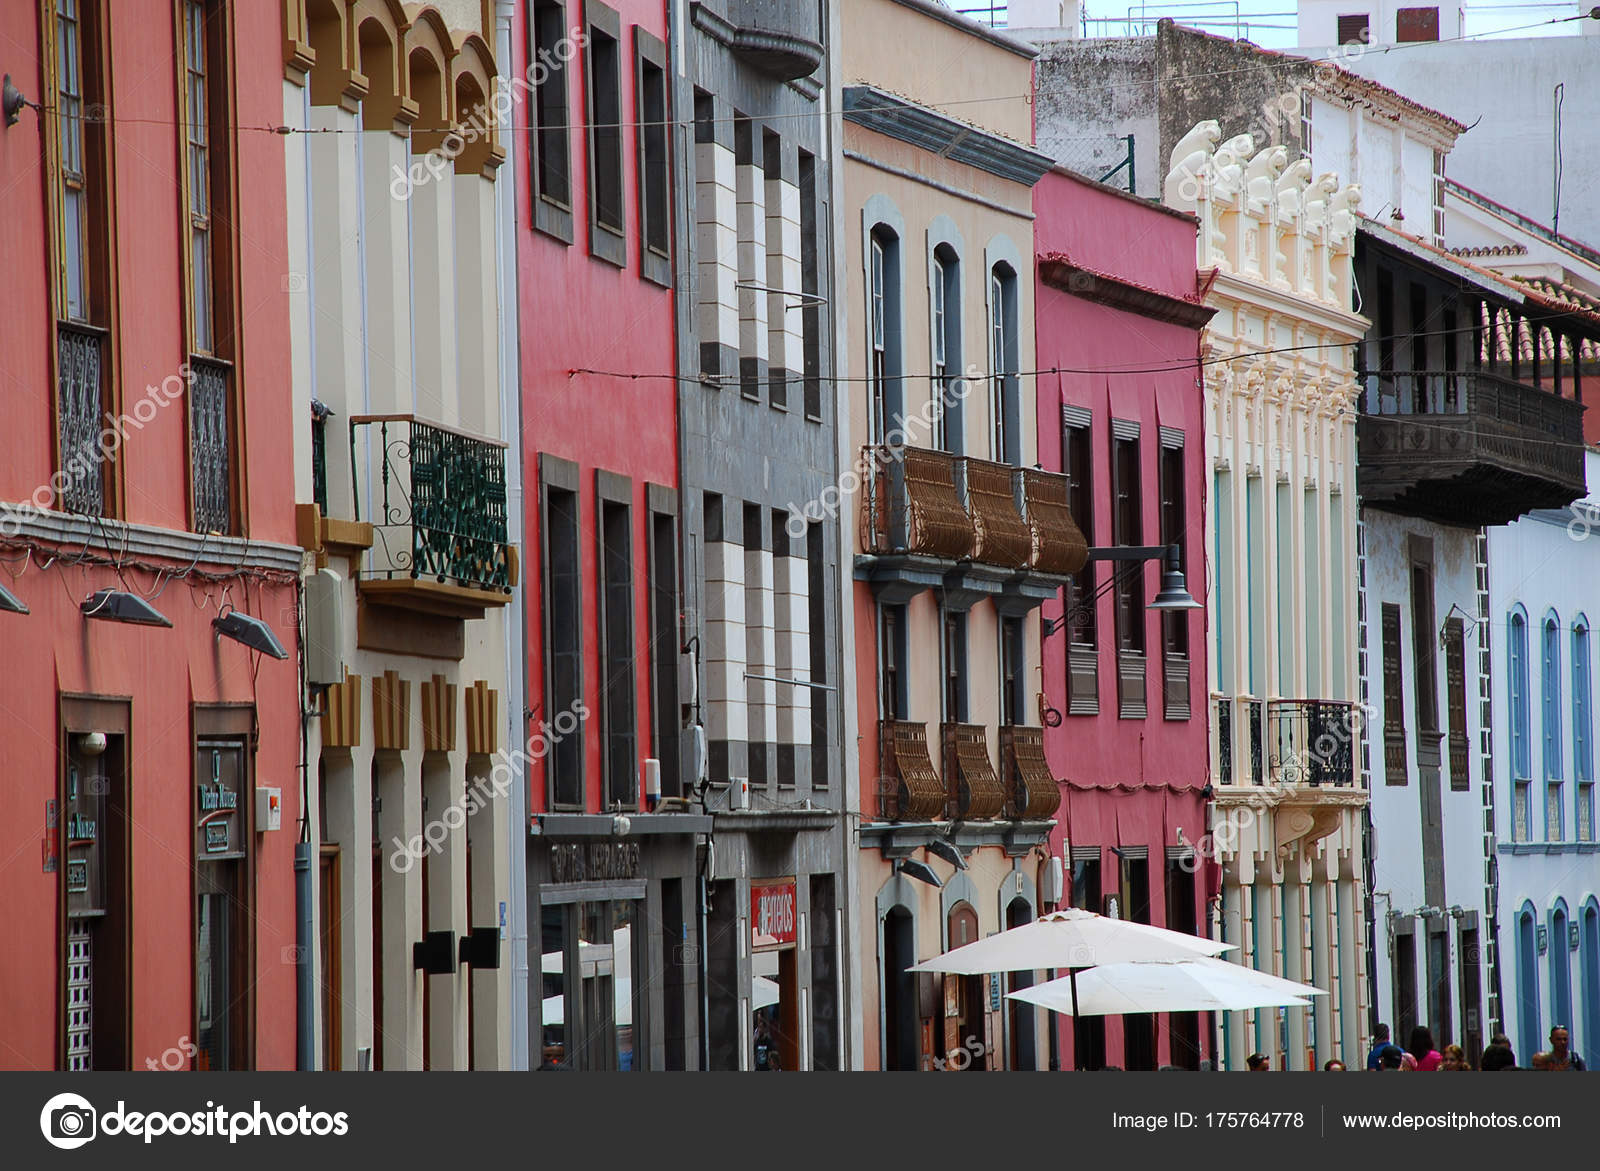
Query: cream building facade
392	153
1287	825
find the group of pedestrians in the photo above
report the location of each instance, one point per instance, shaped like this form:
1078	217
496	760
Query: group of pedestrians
1420	1056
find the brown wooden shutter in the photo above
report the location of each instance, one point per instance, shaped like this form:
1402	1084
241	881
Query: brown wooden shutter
1394	712
1455	673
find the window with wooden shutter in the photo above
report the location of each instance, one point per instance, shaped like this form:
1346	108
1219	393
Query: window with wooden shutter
1394	712
1355	29
1127	529
1455	675
1174	626
1416	24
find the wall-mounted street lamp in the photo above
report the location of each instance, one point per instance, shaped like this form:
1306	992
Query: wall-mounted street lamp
249	630
1173	594
121	606
10	603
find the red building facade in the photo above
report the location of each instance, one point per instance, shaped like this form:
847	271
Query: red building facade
600	453
147	494
1121	412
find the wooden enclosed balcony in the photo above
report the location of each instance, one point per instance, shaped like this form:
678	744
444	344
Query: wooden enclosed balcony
1467	448
1032	792
973	791
908	787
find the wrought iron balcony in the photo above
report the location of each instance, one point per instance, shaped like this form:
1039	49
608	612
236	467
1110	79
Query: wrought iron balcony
911	503
211	446
438	516
1470	447
1312	741
80	417
1032	792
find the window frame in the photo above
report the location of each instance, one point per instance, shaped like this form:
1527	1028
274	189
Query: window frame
551	211
616	628
1519	714
561	476
894	663
607	241
650	61
1005	363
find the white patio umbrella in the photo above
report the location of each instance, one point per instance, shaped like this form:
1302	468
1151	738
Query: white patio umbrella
1196	984
1073	939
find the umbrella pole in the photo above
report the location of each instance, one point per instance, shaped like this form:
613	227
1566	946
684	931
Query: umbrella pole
1077	1021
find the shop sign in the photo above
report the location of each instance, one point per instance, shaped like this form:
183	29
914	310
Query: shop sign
772	913
593	861
217	806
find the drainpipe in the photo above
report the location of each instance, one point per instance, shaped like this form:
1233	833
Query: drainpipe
516	724
305	1000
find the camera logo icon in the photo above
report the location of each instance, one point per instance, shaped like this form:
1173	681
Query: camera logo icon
68	1121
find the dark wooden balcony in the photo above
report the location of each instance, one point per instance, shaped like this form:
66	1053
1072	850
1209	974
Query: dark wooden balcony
1032	792
1057	542
1467	448
912	505
908	787
973	791
438	517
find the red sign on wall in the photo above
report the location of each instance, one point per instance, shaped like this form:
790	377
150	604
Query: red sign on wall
772	913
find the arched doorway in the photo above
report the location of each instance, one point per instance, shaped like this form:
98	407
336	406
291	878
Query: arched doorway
1022	1018
1589	967
901	1049
1560	967
966	1036
1527	983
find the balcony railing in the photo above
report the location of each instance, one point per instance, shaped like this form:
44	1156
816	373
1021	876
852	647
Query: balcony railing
1467	447
934	503
210	446
973	791
908	787
1032	792
1312	741
438	510
1239	731
80	408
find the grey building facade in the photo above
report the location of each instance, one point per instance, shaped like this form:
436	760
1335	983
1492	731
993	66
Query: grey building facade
758	442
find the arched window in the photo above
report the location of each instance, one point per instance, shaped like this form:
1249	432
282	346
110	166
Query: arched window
1518	707
1583	730
1529	1040
1560	966
884	368
1589	978
1004	365
1550	708
948	384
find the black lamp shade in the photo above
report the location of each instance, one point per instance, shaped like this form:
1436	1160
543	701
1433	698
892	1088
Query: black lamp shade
252	632
920	871
121	606
949	851
10	603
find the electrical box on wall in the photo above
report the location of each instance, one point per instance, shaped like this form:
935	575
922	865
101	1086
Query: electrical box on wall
1051	881
269	809
739	793
324	629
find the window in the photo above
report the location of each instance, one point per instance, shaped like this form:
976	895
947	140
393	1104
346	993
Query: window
1174	625
883	317
655	178
618	730
1517	682
817	627
1305	123
1438	201
1013	671
1550	712
1424	645
665	718
1127	529
1004	406
1416	24
551	164
563	628
1353	30
811	312
1455	674
1583	732
603	60
774	270
949	384
1394	711
955	667
1083	667
83	262
893	665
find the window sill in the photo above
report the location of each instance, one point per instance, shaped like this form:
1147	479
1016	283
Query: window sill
655	267
552	219
1522	848
607	244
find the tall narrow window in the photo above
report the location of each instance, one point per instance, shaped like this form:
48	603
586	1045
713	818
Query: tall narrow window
955	667
1127	529
1550	710
1455	683
83	263
1438	198
1083	660
619	731
551	156
817	602
1013	671
655	180
1395	764
563	628
1004	364
810	276
1583	733
665	718
893	664
1520	716
1424	645
1174	625
209	195
941	367
883	320
603	57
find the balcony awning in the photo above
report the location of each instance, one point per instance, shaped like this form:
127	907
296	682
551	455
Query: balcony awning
1037	796
909	775
1058	543
977	790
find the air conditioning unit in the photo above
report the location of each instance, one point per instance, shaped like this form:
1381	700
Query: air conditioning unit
1051	881
739	793
324	628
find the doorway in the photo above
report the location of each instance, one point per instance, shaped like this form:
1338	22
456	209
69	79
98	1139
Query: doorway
95	947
